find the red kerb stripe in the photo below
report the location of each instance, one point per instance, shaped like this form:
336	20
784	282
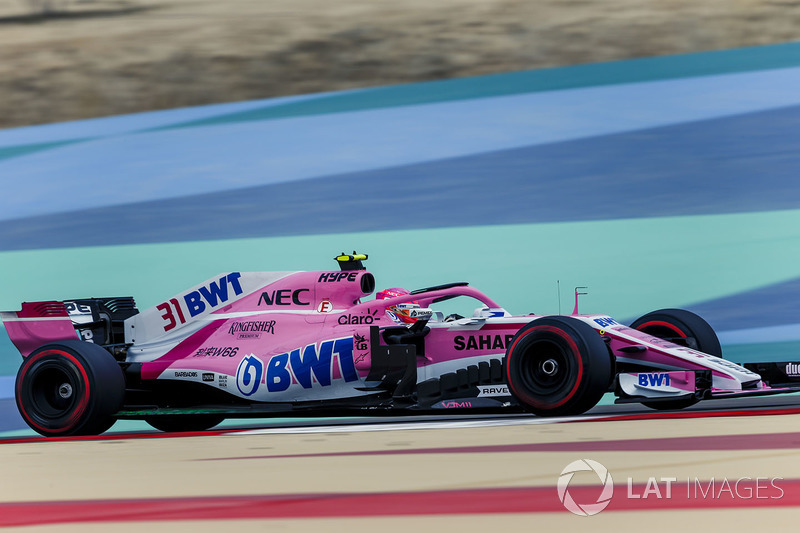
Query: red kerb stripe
752	493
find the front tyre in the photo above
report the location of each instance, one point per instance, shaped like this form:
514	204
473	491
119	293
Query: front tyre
558	366
684	328
69	388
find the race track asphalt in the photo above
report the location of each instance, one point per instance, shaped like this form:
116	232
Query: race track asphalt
722	469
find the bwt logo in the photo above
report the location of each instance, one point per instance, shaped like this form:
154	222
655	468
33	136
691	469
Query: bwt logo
196	302
213	294
606	322
312	364
248	375
585	509
654	380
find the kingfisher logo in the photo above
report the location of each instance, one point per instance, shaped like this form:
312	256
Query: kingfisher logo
584	508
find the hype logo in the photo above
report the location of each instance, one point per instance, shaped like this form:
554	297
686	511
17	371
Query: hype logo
248	375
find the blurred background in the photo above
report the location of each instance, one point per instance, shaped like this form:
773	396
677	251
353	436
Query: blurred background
71	59
646	149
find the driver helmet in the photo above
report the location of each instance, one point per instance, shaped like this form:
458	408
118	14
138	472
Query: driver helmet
400	312
391	293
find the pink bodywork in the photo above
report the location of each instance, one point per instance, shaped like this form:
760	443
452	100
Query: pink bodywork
314	314
38	323
305	335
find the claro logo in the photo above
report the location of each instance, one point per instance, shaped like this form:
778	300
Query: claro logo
356	319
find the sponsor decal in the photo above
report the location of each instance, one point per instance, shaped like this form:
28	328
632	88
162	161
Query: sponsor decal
792	369
222	381
249	374
481	342
455	404
712	359
660	379
352	320
197	302
284	297
208	376
185	374
74	308
217	351
252	329
493	390
606	322
325	306
721	362
361	347
420	313
81	314
311	364
393	317
360	342
333	277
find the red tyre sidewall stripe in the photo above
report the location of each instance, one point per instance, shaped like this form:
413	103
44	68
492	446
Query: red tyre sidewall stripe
79	409
571	342
661	323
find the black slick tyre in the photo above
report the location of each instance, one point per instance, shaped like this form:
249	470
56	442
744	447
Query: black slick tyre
558	366
68	388
684	328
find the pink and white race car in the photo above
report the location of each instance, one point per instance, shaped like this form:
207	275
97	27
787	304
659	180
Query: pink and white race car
256	344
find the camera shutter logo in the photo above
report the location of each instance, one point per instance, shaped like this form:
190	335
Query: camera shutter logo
585	509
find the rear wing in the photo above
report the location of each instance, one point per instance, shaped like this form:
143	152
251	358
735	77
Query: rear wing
97	320
38	323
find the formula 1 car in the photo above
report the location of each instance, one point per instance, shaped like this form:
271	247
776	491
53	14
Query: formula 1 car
256	344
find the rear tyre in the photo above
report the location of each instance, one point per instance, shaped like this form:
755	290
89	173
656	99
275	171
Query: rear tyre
558	366
180	424
69	388
679	327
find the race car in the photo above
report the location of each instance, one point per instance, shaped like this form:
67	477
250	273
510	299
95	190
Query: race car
259	344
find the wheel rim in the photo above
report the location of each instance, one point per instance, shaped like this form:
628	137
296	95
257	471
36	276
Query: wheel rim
545	367
53	391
